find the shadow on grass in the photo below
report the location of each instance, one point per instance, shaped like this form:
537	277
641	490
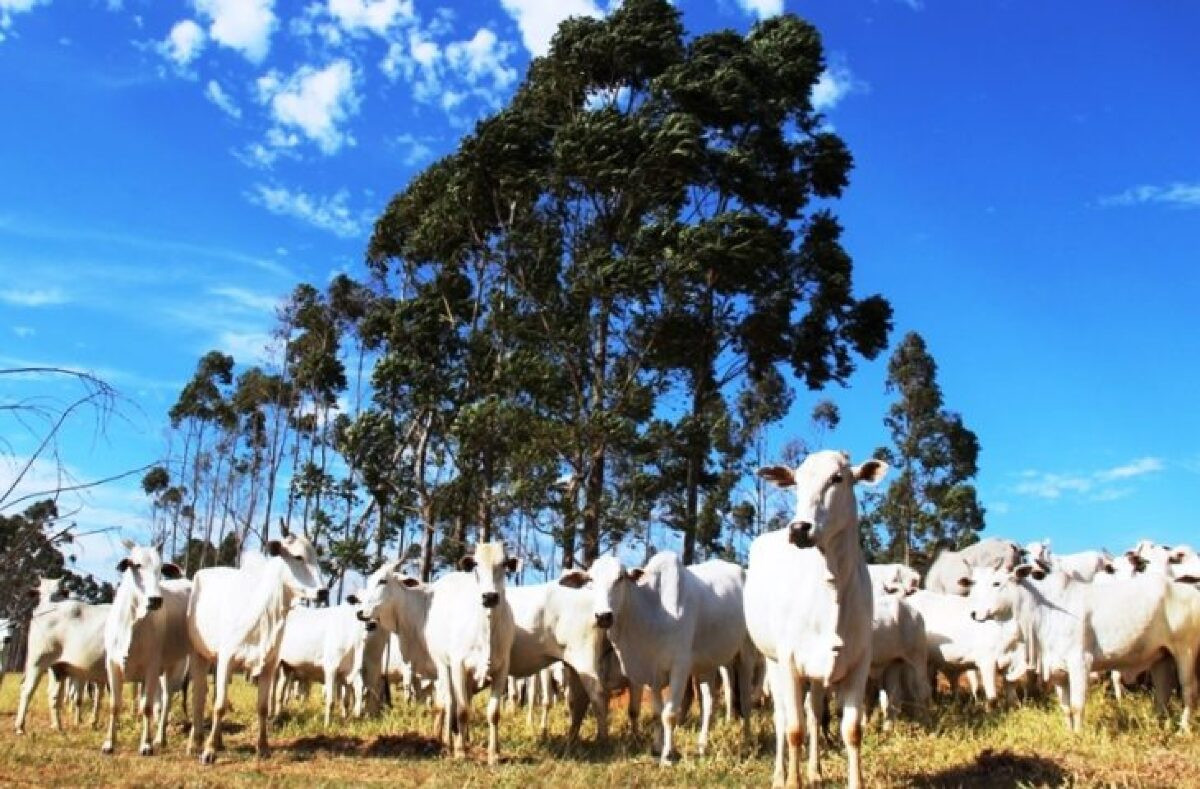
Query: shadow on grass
996	769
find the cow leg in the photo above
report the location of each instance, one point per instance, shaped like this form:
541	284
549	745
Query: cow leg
493	715
266	682
220	706
460	713
99	688
1185	665
329	694
658	713
116	683
779	682
1118	688
727	691
55	688
78	697
706	706
29	681
198	674
1162	681
582	690
814	708
986	672
745	693
852	695
164	708
150	690
546	689
634	708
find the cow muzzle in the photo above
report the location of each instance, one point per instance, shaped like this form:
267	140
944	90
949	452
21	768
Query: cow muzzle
371	625
979	617
604	620
490	599
800	534
153	603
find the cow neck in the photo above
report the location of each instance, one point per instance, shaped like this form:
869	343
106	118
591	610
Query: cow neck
844	558
122	618
405	614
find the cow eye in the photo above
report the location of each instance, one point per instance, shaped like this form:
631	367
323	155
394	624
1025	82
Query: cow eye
836	479
382	581
996	584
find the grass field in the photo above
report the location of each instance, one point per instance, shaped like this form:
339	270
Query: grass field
1027	746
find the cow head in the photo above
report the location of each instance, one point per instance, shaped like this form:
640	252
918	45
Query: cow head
48	590
901	581
302	574
1038	553
824	487
142	571
383	586
609	582
488	564
994	590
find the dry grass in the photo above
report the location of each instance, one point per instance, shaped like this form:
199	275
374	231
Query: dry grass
1028	746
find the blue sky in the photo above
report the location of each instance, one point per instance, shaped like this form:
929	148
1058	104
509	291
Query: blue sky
1026	192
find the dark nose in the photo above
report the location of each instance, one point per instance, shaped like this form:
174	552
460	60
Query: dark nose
604	620
1108	568
801	534
370	625
490	599
323	596
153	603
362	617
977	617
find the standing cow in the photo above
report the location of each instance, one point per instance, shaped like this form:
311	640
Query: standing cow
66	638
145	638
809	607
236	620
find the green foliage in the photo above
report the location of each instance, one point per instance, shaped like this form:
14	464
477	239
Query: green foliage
930	502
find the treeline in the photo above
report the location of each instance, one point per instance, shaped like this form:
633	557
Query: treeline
572	332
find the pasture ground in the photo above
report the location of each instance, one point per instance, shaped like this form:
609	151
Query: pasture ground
1124	745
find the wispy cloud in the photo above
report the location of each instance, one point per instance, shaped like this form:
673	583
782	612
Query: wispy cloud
761	8
415	151
217	95
836	82
256	302
1095	485
331	214
1178	195
33	297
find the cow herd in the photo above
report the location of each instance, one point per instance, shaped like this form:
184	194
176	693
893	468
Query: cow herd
807	622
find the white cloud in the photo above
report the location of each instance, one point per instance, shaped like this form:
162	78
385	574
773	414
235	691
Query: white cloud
835	83
10	8
1178	194
33	297
217	95
377	16
1096	485
538	20
316	102
24	331
247	347
415	151
247	299
482	59
331	214
183	43
762	8
241	25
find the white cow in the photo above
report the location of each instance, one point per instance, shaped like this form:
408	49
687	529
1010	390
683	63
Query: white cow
667	622
236	621
949	567
554	622
145	638
958	642
66	637
319	645
898	648
1082	566
809	604
894	579
1178	562
1080	627
460	628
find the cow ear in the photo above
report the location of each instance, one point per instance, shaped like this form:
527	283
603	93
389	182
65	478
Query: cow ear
513	564
466	564
171	571
274	548
574	579
1175	558
1023	571
1187	579
411	583
122	565
871	472
635	574
779	476
352	599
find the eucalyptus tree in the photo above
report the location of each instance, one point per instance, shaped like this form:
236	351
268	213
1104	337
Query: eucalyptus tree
931	502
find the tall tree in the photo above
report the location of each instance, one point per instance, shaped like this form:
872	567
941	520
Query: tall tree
931	503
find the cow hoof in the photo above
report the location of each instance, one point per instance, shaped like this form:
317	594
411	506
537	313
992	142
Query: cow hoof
208	757
146	750
106	749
